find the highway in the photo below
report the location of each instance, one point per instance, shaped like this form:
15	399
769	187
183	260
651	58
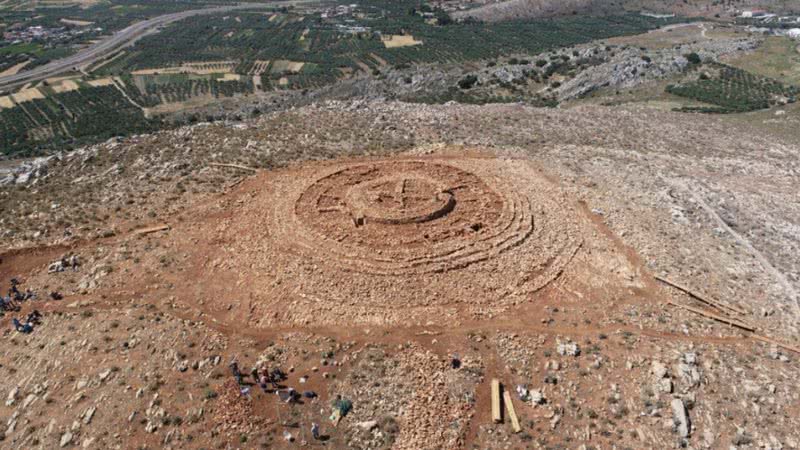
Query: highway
111	44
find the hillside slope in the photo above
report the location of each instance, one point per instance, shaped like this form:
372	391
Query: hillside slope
393	259
525	9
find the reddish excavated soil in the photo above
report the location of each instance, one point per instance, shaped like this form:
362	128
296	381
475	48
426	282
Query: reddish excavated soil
391	241
399	264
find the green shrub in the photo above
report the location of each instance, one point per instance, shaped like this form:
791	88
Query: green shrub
693	58
467	82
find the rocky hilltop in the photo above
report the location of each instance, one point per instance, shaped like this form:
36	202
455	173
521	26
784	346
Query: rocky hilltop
627	275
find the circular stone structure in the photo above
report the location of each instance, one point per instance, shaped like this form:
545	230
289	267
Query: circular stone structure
406	217
397	200
385	240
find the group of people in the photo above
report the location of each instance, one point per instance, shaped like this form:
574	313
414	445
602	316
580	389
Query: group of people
268	381
66	262
11	302
34	318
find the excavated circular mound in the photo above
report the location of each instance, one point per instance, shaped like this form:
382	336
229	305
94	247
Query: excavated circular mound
400	239
406	217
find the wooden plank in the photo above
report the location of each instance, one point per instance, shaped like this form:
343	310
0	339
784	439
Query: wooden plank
722	319
714	303
511	413
496	413
149	230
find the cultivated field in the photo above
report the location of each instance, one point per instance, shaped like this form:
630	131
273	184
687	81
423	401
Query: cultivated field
777	58
282	65
26	95
197	68
101	82
396	40
64	86
80	23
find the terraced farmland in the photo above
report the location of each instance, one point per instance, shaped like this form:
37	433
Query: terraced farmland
70	118
734	90
333	47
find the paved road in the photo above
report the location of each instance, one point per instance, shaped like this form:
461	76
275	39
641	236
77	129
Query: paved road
112	43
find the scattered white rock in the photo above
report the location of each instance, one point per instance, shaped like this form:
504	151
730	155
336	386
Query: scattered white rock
66	439
105	374
367	425
88	415
12	396
658	369
680	417
568	349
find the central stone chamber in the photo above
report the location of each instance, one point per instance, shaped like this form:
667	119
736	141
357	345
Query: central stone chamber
399	199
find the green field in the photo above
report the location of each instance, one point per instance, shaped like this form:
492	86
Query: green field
778	57
732	90
151	90
18	49
268	45
331	50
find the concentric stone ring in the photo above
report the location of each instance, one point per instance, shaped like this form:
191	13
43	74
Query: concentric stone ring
399	199
401	239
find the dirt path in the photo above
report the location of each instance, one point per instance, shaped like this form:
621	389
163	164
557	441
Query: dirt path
125	94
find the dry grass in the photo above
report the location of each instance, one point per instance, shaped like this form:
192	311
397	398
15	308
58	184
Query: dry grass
400	40
197	68
56	80
5	102
102	82
283	65
80	23
777	58
13	70
26	95
167	108
65	86
679	34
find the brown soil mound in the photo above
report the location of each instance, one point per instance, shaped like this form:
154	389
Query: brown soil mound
401	240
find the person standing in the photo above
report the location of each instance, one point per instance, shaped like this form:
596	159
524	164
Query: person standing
234	366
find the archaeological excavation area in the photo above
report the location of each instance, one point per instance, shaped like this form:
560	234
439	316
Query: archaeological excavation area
401	241
443	297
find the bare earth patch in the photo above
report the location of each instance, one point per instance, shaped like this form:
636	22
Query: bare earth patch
398	40
13	70
26	95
